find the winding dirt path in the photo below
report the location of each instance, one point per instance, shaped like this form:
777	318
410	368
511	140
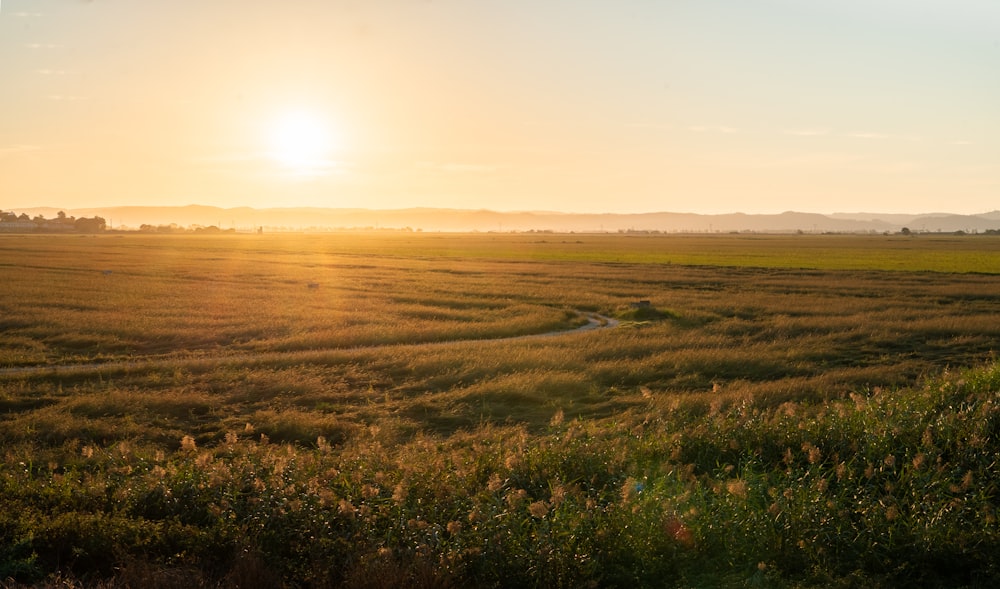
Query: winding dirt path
594	322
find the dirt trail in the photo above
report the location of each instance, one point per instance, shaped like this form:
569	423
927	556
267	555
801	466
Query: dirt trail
594	322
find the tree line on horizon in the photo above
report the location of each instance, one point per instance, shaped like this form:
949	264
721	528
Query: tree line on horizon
61	223
11	222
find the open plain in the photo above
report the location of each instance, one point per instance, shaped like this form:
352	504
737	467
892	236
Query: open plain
361	409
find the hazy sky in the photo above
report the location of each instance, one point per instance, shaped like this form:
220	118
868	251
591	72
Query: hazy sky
573	105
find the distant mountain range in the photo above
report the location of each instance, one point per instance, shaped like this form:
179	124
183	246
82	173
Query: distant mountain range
430	219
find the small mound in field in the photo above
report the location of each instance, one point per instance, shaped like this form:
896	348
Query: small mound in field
645	314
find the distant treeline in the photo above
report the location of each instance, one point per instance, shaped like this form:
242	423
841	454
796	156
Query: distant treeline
14	223
11	222
175	228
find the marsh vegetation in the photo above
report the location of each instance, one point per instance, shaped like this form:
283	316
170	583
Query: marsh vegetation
348	410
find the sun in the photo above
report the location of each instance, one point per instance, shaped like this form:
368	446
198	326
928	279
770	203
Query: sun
302	142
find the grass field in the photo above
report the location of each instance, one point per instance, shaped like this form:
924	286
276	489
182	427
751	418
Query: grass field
350	410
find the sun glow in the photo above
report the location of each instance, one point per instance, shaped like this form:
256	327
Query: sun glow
303	143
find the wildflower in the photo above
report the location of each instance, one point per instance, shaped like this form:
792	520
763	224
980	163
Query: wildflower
495	483
676	529
822	485
813	453
630	489
369	491
918	460
859	401
538	509
558	496
188	444
218	478
889	461
966	481
399	493
737	487
557	419
417	523
515	497
345	507
87	451
891	513
841	471
326	497
231	438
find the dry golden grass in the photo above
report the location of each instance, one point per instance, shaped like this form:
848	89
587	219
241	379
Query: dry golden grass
217	395
239	330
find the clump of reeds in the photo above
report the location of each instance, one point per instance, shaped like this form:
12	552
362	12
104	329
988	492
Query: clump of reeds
883	487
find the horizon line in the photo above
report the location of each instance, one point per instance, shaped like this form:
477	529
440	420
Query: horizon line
496	211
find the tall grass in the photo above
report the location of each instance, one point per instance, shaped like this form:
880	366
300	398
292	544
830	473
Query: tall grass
756	427
884	488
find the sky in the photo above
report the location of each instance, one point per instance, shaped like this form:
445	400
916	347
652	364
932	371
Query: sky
705	106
